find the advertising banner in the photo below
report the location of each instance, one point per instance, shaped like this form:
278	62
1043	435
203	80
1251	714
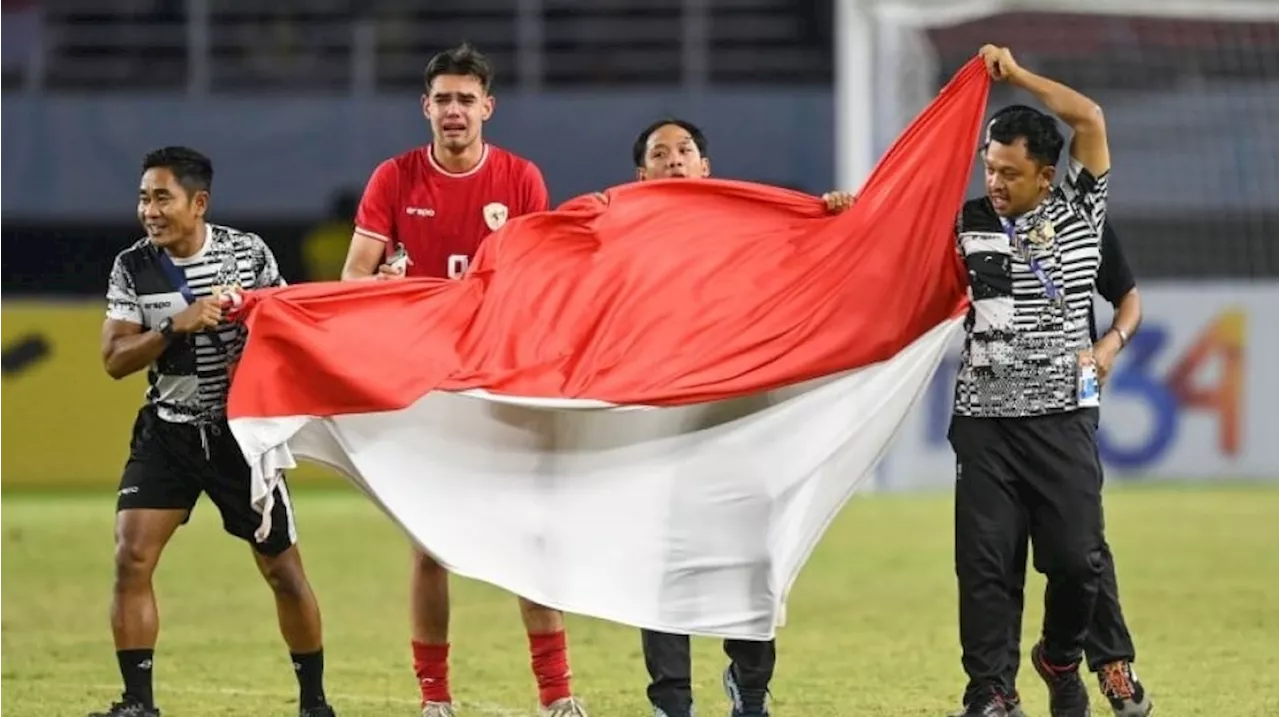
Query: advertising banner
1193	396
65	422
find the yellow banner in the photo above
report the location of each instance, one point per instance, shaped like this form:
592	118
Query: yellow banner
65	422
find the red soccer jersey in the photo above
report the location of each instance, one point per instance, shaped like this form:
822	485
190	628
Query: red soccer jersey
441	217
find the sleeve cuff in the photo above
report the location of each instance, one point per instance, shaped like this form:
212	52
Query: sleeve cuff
373	235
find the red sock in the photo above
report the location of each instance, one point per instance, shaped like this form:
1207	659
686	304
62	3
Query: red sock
550	658
431	665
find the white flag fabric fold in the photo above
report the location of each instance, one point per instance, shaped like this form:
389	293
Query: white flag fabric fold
692	519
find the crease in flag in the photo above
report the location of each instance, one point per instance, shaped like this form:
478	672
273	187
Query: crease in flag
645	406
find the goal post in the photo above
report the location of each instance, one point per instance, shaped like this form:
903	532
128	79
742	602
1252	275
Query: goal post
1191	90
891	55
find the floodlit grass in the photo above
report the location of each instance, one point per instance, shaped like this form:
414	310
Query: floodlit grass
871	623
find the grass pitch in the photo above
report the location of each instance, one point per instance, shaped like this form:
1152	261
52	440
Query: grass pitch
871	624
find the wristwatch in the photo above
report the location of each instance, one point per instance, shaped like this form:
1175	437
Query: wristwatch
165	327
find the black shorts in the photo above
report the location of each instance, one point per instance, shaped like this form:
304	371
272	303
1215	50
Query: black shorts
170	464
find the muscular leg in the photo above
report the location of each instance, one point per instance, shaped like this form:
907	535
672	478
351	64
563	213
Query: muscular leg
299	616
429	613
141	535
296	606
226	480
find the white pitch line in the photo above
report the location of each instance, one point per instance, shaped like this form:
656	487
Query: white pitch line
485	708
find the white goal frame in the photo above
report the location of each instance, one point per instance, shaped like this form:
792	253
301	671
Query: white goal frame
877	93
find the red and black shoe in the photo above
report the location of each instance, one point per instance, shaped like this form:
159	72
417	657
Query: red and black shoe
1122	689
989	704
1068	696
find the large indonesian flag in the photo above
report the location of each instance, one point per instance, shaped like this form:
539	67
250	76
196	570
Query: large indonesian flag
645	406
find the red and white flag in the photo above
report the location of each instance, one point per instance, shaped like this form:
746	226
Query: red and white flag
645	406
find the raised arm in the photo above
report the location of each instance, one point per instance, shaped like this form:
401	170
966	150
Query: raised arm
1083	115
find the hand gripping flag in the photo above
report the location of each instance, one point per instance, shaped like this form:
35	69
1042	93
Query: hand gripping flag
645	406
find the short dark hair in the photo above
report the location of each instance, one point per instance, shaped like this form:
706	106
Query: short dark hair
461	60
699	139
192	169
1039	130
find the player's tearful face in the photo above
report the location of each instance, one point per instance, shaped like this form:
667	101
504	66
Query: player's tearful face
672	153
456	106
1016	183
168	211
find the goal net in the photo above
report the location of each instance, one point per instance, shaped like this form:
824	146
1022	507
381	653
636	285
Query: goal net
1189	88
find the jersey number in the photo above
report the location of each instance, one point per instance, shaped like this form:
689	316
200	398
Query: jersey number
457	265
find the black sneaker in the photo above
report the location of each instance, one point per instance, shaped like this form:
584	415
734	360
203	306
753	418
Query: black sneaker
318	711
1067	694
1012	705
992	704
744	703
1122	689
127	707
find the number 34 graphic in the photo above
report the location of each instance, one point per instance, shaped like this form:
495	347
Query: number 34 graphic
1184	388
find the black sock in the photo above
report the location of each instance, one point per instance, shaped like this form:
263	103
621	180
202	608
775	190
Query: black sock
135	668
310	670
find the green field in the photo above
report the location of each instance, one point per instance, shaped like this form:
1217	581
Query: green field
871	622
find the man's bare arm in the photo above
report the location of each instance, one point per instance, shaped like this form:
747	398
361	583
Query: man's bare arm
1083	115
364	260
1128	315
128	348
1089	131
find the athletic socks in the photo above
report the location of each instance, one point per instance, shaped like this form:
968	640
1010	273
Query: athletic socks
431	665
135	669
549	656
309	668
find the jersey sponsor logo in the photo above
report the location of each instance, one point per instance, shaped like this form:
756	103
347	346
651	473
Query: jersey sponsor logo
157	306
495	215
420	211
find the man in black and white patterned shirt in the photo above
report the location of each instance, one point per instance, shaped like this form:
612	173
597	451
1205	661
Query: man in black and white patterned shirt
165	315
1109	649
1025	415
